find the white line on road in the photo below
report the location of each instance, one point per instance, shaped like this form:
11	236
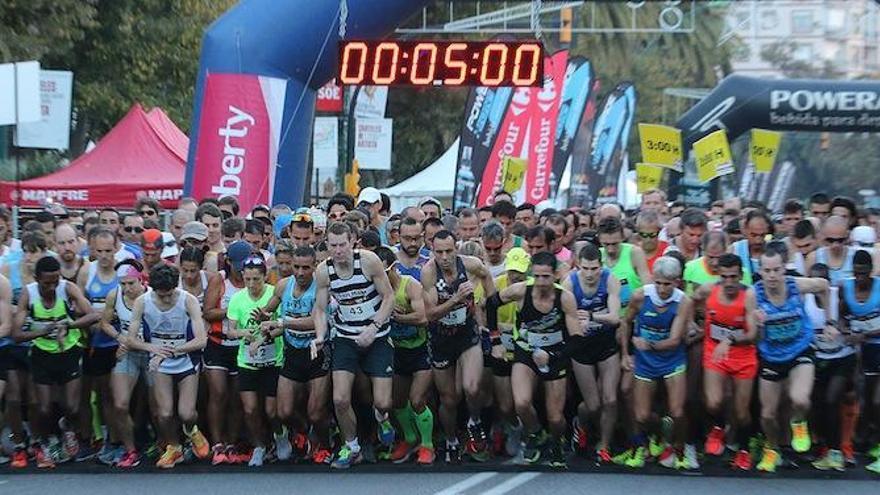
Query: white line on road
463	485
512	483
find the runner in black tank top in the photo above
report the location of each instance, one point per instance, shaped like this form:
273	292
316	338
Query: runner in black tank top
541	353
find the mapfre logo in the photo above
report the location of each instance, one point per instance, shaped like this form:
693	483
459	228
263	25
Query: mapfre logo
161	194
40	195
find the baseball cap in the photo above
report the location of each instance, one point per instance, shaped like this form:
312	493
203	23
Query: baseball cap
169	245
319	217
428	200
194	230
369	195
863	236
152	239
237	252
517	260
281	223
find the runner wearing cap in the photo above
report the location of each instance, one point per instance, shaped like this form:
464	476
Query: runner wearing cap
302	229
431	207
220	359
153	247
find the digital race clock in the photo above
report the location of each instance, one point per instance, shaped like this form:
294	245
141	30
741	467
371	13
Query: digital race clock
441	63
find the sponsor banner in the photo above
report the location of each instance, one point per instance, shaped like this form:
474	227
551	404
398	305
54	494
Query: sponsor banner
484	111
372	143
509	142
371	101
20	91
740	103
661	146
542	130
53	130
763	149
608	147
577	91
92	197
329	98
579	166
239	132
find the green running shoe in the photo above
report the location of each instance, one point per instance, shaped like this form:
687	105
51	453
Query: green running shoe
637	460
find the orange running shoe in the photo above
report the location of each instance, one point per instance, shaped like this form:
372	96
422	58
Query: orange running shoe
19	458
402	452
218	456
173	456
715	442
425	456
742	461
201	447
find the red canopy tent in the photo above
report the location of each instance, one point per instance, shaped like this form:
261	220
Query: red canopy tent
144	154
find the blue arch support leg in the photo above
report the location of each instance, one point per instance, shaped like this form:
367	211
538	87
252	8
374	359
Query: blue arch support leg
261	64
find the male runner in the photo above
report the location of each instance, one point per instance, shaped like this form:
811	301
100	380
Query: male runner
456	353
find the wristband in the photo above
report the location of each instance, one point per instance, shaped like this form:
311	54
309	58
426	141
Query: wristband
495	340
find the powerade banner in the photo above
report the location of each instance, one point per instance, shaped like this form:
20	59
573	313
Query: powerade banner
740	103
240	129
542	130
513	136
608	146
260	155
575	94
483	113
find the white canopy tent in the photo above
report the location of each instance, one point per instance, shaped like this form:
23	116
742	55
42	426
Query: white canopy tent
437	180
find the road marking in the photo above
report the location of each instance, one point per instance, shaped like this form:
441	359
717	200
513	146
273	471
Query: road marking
466	483
512	483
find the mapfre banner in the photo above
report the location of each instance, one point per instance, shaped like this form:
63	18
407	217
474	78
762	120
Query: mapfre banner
239	132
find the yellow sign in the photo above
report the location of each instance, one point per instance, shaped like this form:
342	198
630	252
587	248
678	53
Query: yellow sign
647	177
712	156
661	146
513	171
353	179
763	149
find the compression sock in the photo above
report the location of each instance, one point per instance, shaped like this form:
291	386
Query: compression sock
425	424
406	417
849	418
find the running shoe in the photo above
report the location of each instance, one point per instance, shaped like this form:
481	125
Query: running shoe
603	456
513	444
218	454
874	467
621	458
533	447
322	455
849	455
715	442
19	458
42	458
688	461
637	459
556	456
257	457
742	460
770	461
800	437
153	451
668	458
173	456
109	455
656	447
402	452
578	435
475	446
385	433
346	458
302	446
130	459
56	451
497	440
425	456
756	447
453	453
875	451
201	447
283	448
71	445
238	454
86	452
833	459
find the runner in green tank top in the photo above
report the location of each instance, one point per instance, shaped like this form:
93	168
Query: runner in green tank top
704	270
412	366
626	261
48	306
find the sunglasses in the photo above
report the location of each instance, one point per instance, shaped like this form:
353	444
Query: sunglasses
136	230
254	261
837	240
226	215
648	235
147	213
302	218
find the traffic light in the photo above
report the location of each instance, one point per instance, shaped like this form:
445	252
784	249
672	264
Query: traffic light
352	180
565	21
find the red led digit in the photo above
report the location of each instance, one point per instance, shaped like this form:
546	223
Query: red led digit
530	66
385	61
452	64
351	50
416	77
500	51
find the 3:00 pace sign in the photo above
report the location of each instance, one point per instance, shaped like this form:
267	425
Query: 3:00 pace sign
441	63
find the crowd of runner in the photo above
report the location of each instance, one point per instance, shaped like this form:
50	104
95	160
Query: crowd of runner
344	333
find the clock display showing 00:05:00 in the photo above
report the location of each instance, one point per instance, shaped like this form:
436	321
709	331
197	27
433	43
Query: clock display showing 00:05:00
447	63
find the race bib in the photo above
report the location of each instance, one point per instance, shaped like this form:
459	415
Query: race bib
783	332
356	312
263	357
542	340
227	340
507	341
719	333
457	316
403	332
866	325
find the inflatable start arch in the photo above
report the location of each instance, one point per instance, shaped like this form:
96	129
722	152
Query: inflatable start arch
261	64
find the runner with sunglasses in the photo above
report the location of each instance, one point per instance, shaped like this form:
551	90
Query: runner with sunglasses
836	253
648	229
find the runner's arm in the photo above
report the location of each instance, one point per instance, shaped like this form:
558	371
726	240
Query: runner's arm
134	328
612	318
322	299
813	286
88	316
374	269
640	263
569	307
212	312
512	293
200	336
107	316
751	320
5	307
417	316
679	327
626	324
435	311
